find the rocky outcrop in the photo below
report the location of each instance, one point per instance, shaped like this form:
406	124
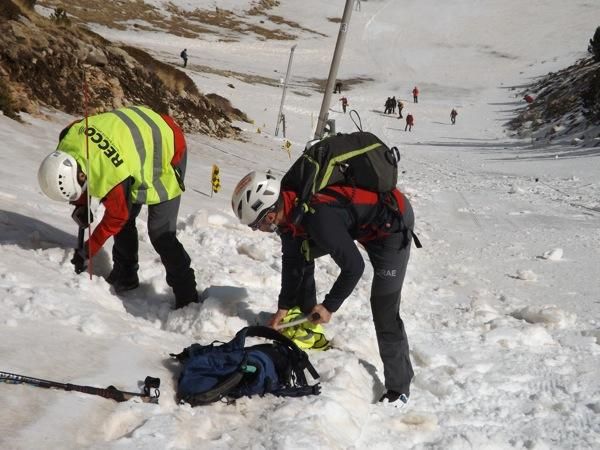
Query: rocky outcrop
562	107
47	63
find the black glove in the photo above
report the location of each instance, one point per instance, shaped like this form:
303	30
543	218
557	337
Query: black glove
80	260
80	216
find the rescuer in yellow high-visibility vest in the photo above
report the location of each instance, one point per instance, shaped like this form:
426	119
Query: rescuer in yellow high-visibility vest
136	157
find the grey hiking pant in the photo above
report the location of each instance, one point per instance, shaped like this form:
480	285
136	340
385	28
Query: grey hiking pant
389	257
162	226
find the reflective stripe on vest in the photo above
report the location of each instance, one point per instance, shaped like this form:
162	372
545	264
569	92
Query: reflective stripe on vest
127	142
140	192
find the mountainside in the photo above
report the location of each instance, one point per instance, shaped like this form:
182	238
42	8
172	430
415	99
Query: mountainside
44	61
564	108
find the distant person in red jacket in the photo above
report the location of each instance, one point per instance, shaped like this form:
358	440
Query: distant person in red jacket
528	98
410	121
344	101
453	115
415	93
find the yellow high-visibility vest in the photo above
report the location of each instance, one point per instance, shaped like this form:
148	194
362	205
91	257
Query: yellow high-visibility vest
127	142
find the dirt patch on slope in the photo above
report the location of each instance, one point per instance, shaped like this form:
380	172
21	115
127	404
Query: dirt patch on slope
48	63
227	25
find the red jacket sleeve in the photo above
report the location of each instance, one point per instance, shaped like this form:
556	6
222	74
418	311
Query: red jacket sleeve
116	214
180	145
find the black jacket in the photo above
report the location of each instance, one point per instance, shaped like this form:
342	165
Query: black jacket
331	229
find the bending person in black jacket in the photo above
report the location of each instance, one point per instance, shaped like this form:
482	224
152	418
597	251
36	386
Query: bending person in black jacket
340	216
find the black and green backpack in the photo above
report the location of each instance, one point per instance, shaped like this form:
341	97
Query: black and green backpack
358	159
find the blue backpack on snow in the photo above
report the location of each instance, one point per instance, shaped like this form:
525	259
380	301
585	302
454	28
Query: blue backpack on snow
231	370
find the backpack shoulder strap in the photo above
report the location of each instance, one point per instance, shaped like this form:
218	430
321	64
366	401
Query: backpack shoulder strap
397	207
301	360
216	393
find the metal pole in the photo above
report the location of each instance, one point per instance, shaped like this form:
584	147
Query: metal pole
337	56
285	83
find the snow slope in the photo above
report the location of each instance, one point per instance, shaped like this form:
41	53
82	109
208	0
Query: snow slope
501	305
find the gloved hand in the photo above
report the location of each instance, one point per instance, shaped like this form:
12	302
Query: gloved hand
80	216
80	259
276	318
320	314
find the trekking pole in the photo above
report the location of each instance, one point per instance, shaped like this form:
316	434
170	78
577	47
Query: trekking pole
88	172
150	394
293	323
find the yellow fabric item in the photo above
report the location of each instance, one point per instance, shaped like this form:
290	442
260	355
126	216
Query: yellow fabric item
305	335
127	142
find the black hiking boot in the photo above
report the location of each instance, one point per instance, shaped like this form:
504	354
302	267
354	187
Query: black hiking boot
182	303
122	283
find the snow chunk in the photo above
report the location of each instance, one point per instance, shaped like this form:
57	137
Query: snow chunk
252	251
211	319
548	315
202	219
92	326
483	311
197	221
526	275
218	219
515	189
553	255
526	335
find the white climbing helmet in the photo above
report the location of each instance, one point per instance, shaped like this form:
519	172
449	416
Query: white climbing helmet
57	177
254	195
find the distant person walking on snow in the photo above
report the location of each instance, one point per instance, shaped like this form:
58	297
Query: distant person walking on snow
344	101
184	56
400	107
453	115
393	104
338	88
410	121
388	106
415	93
